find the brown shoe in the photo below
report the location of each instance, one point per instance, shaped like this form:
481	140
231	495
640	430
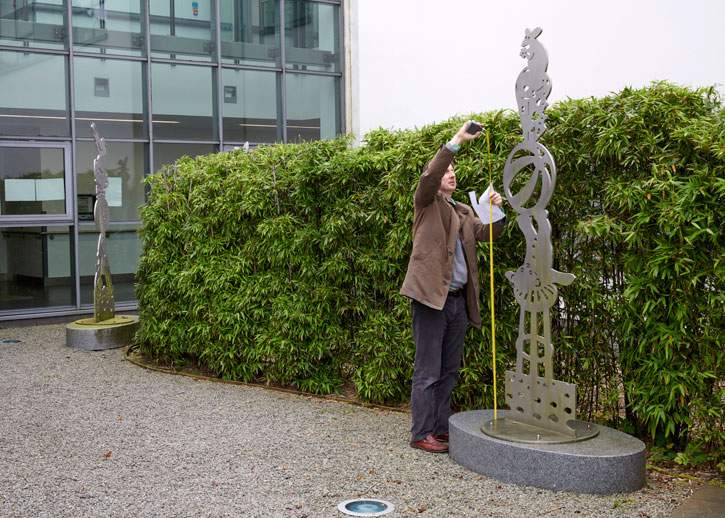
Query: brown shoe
442	437
430	444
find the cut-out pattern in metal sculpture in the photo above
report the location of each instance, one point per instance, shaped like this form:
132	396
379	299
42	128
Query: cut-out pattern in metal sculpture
534	397
103	302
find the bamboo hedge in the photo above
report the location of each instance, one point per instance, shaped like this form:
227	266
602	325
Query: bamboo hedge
283	264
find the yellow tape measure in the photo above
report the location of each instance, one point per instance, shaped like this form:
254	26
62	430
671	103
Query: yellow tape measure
490	249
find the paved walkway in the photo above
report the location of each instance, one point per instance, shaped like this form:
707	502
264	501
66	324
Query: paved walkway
706	502
85	434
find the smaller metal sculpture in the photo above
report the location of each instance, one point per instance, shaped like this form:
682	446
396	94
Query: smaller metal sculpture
103	301
542	408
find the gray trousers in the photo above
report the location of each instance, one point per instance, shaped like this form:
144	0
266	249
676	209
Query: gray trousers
438	336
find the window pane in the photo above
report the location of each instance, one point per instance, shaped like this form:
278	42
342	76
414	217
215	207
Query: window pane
125	164
182	29
33	24
167	154
115	26
34	95
32	181
312	36
249	105
123	249
35	268
312	107
110	93
182	102
250	32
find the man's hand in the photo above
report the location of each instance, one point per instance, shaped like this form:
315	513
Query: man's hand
495	199
462	135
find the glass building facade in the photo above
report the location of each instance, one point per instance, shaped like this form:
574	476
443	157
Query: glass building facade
160	79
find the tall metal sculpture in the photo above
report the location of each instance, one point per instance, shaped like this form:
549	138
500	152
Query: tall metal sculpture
542	408
105	330
103	302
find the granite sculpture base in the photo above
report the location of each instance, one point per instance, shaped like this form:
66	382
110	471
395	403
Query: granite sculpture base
96	336
611	462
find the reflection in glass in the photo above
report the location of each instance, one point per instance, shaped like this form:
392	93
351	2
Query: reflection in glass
182	102
123	248
125	164
109	92
312	35
32	181
33	24
249	106
35	268
182	29
167	154
313	109
113	27
34	95
250	32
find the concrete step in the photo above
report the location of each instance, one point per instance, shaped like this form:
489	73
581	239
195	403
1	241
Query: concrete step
707	501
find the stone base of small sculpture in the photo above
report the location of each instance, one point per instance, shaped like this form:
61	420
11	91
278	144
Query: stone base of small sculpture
611	462
96	336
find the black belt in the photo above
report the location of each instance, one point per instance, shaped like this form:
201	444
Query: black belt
456	293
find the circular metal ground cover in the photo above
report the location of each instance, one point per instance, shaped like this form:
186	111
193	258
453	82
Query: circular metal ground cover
365	507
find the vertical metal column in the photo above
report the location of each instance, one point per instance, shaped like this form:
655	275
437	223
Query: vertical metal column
344	51
149	104
219	85
172	18
74	176
283	78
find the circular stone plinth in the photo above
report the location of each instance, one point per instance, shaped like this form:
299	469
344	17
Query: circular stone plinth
96	336
611	462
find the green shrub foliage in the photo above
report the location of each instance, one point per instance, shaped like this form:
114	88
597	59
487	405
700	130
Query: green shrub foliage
283	264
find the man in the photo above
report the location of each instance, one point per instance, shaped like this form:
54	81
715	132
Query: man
442	281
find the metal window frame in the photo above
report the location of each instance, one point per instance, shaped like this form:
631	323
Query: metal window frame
75	267
19	220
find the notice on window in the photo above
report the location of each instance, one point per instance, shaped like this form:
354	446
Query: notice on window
50	189
113	192
19	189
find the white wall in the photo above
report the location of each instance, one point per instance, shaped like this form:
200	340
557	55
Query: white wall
422	61
351	48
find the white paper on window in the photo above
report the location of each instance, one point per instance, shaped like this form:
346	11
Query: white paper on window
17	189
50	189
114	196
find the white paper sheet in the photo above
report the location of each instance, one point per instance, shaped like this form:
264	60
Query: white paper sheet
481	206
48	189
114	195
17	189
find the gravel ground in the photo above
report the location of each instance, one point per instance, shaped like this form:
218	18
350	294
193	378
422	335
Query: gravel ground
88	434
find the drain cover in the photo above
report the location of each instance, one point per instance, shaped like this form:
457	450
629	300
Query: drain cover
366	507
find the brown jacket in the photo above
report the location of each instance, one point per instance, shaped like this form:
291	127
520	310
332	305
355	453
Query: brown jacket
436	225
